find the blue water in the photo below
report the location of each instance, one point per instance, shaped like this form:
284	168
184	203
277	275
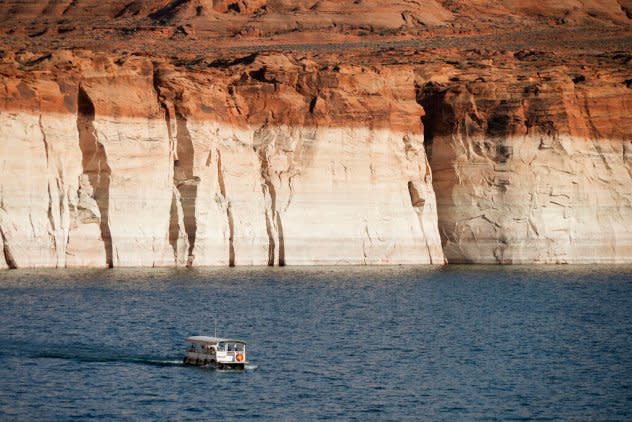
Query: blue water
359	343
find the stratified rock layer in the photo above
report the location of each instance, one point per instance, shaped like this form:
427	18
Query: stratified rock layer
273	132
537	171
145	180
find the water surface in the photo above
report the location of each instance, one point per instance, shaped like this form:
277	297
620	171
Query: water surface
351	343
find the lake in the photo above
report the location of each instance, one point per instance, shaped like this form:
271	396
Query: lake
330	343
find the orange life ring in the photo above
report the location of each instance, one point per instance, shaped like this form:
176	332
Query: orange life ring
239	357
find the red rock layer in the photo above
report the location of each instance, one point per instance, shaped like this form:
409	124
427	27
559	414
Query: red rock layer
473	93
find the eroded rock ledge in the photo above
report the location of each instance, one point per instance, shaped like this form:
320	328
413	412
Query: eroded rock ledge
277	159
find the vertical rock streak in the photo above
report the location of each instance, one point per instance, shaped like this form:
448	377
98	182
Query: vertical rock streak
51	218
176	219
6	250
429	98
269	229
186	181
95	166
281	240
229	211
273	218
418	203
57	213
174	226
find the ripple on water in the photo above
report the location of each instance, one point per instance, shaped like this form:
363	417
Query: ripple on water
356	343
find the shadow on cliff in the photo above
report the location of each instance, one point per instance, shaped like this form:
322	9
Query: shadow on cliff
95	165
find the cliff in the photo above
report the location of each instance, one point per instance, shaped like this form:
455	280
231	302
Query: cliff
273	162
239	144
533	165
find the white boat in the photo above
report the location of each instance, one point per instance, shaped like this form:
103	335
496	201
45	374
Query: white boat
221	353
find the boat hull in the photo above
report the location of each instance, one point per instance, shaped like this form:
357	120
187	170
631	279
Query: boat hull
213	363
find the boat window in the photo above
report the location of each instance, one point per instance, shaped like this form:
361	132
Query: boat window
239	347
231	347
220	347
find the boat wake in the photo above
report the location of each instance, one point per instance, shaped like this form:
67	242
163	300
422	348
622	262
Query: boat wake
107	358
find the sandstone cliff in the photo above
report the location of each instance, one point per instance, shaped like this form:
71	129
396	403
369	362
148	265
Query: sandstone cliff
442	142
533	170
279	163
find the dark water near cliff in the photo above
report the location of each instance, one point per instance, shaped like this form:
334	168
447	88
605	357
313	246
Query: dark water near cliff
405	343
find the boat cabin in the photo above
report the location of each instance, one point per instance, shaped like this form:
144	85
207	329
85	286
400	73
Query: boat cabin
220	352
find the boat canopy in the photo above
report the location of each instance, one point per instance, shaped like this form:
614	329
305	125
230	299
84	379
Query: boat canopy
204	340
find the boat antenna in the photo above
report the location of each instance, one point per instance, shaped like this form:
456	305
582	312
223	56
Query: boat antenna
215	321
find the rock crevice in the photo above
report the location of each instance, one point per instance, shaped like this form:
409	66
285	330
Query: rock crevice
95	166
186	182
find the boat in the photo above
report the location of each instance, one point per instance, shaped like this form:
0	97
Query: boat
221	353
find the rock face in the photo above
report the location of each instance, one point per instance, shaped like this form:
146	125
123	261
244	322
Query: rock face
151	179
532	172
173	133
